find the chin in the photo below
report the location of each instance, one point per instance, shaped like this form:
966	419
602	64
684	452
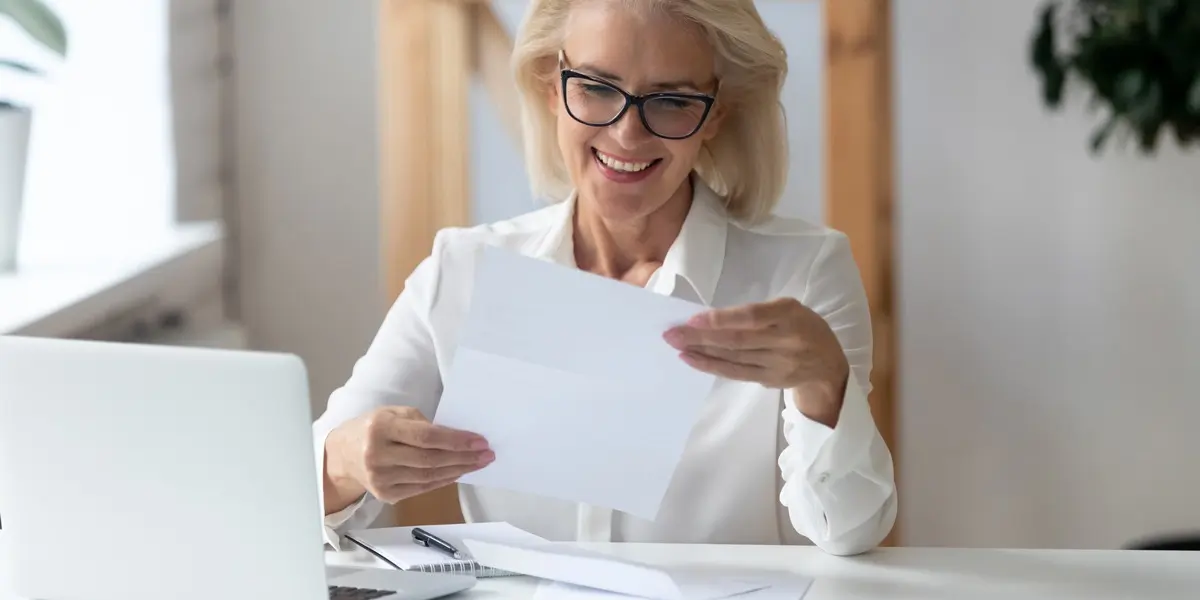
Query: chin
620	205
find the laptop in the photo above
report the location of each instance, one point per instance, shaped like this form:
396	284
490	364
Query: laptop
137	472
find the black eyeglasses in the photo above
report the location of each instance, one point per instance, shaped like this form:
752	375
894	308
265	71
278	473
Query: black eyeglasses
598	103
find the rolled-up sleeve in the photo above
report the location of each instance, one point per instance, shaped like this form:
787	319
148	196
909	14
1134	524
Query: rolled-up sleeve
399	368
839	484
358	515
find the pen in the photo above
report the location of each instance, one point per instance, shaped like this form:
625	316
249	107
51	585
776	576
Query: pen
424	538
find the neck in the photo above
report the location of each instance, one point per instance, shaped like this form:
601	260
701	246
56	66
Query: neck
631	249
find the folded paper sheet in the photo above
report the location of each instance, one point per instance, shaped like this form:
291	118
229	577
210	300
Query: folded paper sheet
567	376
790	588
580	567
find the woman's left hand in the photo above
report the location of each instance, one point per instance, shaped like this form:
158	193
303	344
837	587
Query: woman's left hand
779	344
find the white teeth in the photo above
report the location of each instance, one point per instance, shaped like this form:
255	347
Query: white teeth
618	165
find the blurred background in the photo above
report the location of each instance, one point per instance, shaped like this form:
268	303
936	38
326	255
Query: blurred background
223	173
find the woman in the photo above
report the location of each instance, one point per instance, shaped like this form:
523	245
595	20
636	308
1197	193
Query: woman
659	123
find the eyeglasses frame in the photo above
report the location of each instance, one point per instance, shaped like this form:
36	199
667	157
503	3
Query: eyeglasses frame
639	101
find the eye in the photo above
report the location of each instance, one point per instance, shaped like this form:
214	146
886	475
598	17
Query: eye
600	91
679	103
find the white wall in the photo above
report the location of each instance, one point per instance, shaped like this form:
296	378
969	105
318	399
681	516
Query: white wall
307	181
1049	303
198	79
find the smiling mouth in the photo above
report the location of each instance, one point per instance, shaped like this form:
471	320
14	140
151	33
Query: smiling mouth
623	166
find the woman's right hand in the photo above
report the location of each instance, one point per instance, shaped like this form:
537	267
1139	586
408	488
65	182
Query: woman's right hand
396	453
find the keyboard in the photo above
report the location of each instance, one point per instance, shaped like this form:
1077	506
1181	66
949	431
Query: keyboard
341	592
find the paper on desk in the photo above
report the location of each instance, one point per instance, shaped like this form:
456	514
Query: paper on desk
789	589
581	567
396	543
567	376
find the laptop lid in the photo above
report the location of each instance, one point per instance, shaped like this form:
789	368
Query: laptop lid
132	472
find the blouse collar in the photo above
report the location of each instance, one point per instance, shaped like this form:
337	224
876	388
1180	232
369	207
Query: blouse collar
697	255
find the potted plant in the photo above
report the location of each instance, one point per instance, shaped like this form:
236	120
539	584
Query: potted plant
36	19
1139	58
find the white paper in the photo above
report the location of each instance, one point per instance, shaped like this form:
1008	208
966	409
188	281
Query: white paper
791	589
396	543
581	567
568	377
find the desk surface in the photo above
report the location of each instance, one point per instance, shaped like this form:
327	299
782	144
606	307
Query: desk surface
907	573
915	573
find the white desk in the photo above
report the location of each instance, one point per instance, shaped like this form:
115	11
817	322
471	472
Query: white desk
916	573
910	573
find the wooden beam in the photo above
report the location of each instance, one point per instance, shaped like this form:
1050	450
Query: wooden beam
858	158
425	162
450	90
404	71
492	48
425	149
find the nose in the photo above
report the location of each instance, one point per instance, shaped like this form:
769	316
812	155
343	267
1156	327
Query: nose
629	129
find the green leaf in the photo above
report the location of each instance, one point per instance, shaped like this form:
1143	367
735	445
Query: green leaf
1148	138
16	66
1155	16
1129	87
1149	108
1041	48
1052	88
38	21
1182	135
1044	59
1140	59
1102	133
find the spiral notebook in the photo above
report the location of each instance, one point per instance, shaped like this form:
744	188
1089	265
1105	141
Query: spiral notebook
395	546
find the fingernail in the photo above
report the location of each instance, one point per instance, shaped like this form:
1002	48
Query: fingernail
487	457
673	337
479	444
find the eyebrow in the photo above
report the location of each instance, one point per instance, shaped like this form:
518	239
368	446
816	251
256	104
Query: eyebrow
661	85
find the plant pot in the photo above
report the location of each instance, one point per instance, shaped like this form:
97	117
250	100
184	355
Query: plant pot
14	150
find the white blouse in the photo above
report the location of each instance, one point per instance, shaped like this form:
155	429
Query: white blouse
754	471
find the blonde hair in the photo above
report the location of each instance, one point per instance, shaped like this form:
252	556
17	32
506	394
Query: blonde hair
746	162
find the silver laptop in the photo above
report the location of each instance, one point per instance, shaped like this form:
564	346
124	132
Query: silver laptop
132	472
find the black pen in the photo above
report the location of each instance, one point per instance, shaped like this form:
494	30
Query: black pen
424	538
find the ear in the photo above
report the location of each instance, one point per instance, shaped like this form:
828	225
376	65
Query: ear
712	124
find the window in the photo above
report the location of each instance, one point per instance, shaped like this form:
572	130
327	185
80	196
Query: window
103	167
126	144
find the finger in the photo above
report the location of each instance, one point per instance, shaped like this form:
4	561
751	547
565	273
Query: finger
746	316
391	454
724	368
428	435
404	491
401	475
752	358
427	458
686	337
